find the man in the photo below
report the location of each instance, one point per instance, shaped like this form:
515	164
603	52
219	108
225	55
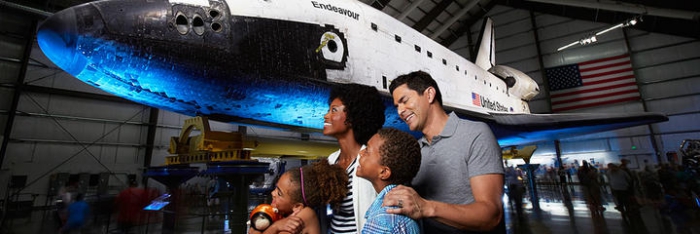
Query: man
391	158
459	186
620	186
515	190
130	203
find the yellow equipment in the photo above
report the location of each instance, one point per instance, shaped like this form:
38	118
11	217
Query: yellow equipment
210	146
525	153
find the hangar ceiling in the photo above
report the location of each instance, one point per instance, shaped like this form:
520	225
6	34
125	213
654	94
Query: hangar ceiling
447	20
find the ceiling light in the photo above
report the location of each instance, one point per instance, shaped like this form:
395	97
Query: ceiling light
592	37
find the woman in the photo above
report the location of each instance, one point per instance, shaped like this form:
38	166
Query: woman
355	113
299	191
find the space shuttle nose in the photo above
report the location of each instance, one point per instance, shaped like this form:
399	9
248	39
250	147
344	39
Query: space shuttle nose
57	36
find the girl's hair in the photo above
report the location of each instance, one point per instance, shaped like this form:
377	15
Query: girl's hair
323	184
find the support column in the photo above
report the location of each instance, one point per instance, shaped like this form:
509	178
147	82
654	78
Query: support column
150	141
18	90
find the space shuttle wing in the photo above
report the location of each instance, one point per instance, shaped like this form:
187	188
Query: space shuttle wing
519	129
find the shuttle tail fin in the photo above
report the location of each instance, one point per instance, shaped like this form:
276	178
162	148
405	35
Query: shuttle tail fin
486	52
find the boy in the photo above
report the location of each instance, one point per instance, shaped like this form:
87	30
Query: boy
391	158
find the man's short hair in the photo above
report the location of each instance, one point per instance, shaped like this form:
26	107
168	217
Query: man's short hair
418	81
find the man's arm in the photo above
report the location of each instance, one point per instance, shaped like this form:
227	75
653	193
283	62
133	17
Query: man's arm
482	215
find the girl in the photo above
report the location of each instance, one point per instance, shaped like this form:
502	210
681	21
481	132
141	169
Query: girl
300	190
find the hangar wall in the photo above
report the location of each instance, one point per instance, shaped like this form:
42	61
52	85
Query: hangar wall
665	67
60	125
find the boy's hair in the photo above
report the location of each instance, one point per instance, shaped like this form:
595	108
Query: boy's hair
323	184
364	109
418	81
401	153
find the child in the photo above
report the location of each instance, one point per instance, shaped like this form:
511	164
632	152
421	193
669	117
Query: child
392	158
300	190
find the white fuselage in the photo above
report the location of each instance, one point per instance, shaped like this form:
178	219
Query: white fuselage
376	55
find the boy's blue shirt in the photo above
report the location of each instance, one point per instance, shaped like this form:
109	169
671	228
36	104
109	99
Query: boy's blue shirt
379	221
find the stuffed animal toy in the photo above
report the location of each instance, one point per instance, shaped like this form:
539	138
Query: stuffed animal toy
263	216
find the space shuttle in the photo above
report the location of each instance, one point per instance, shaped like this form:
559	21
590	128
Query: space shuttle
273	63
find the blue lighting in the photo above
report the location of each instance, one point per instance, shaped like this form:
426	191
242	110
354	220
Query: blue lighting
507	137
172	76
144	78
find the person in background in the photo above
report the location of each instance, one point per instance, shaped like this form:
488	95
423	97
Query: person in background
391	158
213	187
620	187
515	190
603	177
355	113
588	177
299	191
571	171
77	215
459	187
129	204
652	186
64	198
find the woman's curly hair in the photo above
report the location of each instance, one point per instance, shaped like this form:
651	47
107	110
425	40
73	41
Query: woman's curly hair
364	109
401	153
323	184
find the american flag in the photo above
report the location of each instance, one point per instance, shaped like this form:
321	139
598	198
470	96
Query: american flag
475	99
592	83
